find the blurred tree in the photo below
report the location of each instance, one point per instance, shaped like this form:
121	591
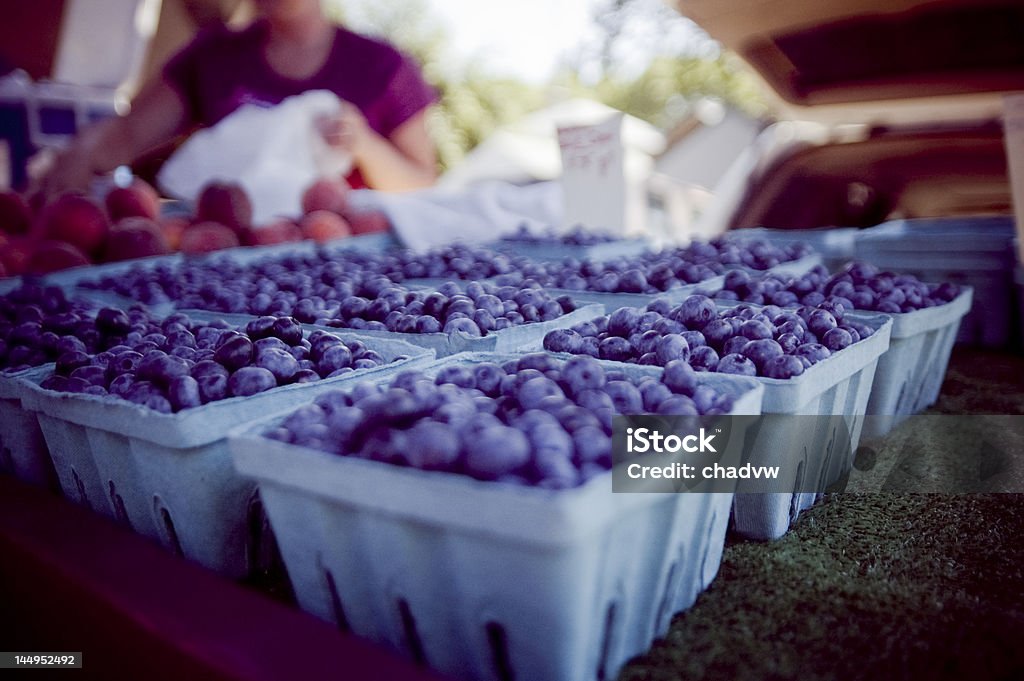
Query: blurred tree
644	58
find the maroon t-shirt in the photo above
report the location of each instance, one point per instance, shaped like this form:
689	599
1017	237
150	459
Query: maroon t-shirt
222	70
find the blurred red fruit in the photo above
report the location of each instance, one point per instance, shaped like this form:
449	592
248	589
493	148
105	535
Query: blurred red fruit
325	194
205	237
15	215
278	232
15	254
368	222
173	228
225	203
138	199
135	238
77	220
51	256
323	225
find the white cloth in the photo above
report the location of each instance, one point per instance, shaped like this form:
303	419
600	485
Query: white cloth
480	213
274	153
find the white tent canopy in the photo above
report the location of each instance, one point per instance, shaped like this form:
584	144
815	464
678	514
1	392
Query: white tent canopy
527	150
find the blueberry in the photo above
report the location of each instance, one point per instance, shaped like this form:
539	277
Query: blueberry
496	451
695	312
622	321
615	348
462	376
734	345
437	446
821	322
736	364
250	380
487	377
592	445
812	352
69	361
533	391
234	353
837	339
91	374
678	405
680	377
672	347
760	351
583	373
563	340
626	399
654	393
113	322
717	331
753	329
464	326
183	393
783	366
261	327
278	362
704	358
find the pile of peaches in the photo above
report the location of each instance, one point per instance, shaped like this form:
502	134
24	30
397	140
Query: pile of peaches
72	230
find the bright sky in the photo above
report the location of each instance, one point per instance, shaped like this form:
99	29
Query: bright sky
523	37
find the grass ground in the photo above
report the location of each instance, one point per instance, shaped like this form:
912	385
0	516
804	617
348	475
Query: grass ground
887	585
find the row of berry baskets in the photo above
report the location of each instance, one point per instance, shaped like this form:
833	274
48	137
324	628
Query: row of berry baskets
413	504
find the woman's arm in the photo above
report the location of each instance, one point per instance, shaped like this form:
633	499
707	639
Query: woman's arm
158	113
403	161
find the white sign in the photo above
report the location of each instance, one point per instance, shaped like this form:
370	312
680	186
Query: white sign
593	179
1013	131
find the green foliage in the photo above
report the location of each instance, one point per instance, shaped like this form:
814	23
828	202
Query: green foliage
473	104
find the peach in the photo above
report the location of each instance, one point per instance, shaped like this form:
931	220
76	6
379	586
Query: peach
323	225
15	254
277	232
326	194
172	228
135	237
138	199
205	237
15	214
52	255
368	221
77	220
225	203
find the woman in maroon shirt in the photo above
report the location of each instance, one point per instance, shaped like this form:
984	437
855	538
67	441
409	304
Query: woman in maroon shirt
290	49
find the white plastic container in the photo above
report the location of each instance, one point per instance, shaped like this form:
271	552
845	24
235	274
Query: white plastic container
487	580
23	452
836	390
169	476
971	251
814	451
910	373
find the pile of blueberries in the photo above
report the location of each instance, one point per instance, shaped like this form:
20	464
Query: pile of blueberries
309	286
39	323
857	286
475	309
746	340
177	364
575	236
655	271
537	421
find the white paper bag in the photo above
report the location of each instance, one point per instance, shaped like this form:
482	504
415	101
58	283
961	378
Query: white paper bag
274	153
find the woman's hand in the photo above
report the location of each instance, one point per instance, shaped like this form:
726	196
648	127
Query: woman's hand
404	161
347	131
